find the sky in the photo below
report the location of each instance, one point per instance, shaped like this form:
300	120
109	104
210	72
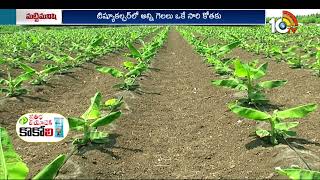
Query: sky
296	12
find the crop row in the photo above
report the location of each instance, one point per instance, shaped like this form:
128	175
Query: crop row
98	114
299	50
59	51
245	77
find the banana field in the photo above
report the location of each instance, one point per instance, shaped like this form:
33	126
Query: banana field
162	102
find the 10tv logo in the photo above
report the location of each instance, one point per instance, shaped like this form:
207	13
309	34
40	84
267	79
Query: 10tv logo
288	23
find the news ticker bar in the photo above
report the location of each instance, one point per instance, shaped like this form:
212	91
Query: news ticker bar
132	17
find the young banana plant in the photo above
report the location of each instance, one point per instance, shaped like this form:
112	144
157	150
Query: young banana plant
316	65
245	77
12	166
216	56
13	86
93	118
279	129
296	173
61	61
114	104
128	78
223	67
11	62
41	77
135	53
298	62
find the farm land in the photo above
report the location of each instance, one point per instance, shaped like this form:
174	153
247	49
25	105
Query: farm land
164	102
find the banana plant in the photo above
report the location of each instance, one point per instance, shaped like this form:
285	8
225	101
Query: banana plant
128	79
93	118
147	51
279	129
11	61
298	61
316	65
245	77
62	62
114	104
276	52
135	53
219	53
296	173
41	77
223	67
13	86
307	46
13	167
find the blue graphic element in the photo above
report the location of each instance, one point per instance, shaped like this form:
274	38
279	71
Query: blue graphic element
164	17
282	25
7	16
58	126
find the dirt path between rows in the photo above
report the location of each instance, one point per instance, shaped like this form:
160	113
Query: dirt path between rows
179	133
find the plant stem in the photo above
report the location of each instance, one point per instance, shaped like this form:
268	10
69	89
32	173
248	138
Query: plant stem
86	132
273	132
249	87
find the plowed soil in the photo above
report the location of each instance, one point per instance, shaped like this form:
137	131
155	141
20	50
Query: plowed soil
176	126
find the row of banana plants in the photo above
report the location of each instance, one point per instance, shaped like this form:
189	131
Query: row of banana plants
242	76
139	63
94	117
99	114
61	45
300	50
100	45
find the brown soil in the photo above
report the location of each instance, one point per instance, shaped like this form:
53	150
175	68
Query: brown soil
172	128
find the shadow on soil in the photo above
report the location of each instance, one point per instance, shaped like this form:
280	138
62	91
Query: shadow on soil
141	92
107	147
154	69
299	142
70	74
2	74
295	142
96	63
258	142
267	107
33	98
22	99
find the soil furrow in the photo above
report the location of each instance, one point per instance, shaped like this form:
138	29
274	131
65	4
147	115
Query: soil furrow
179	133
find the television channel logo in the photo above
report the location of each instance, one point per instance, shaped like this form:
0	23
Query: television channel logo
42	127
288	23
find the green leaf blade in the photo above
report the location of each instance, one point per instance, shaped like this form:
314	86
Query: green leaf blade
261	71
285	126
262	133
98	137
134	51
106	120
76	123
297	173
112	71
249	113
297	112
272	84
11	164
239	69
229	83
93	112
224	49
51	170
